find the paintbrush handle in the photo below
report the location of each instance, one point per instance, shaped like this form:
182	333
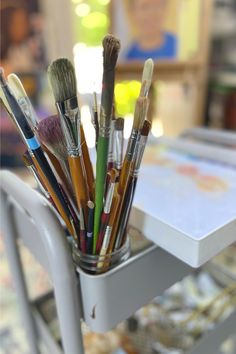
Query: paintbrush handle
83	246
104	222
60	207
87	164
124	175
125	213
101	171
59	170
76	171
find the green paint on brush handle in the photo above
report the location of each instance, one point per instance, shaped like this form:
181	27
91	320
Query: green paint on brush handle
101	171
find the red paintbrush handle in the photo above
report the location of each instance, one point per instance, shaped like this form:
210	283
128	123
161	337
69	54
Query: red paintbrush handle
104	222
83	241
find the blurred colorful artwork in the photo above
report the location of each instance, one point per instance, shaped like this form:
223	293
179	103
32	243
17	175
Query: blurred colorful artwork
193	195
159	29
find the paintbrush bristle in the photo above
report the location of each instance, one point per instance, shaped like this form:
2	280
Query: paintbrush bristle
140	112
50	133
2	77
148	70
111	47
146	128
147	77
119	123
61	75
16	86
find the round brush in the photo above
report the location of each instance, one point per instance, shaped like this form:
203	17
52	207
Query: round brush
23	100
147	77
111	47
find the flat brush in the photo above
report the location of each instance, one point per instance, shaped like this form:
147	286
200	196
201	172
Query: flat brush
51	135
113	173
89	243
111	47
119	142
139	117
63	83
132	183
18	90
147	77
36	150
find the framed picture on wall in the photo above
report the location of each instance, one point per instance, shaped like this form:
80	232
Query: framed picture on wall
160	29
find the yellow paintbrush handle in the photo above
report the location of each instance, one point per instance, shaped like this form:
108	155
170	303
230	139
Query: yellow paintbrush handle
54	197
79	183
87	164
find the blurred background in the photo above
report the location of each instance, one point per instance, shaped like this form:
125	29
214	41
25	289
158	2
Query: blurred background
193	44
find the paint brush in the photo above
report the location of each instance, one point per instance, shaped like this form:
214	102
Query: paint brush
119	142
63	83
139	117
132	183
90	205
28	162
51	135
18	90
111	47
147	77
35	148
82	234
113	173
95	118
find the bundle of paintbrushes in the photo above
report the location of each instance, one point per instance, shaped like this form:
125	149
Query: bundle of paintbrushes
95	211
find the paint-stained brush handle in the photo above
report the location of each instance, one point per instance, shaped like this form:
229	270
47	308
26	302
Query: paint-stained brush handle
101	172
80	187
88	164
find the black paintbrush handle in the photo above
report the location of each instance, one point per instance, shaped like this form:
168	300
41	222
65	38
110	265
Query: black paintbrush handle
46	169
126	212
18	114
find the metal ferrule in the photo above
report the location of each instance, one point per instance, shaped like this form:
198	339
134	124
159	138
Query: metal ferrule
111	143
70	121
109	197
139	155
106	239
27	108
118	148
132	143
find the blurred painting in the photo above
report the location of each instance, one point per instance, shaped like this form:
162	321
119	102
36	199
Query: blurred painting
147	29
22	44
160	29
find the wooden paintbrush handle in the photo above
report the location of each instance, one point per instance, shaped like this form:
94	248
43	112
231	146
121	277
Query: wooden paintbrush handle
54	197
124	176
88	165
78	180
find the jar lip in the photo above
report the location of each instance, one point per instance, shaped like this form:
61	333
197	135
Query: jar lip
97	257
98	265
